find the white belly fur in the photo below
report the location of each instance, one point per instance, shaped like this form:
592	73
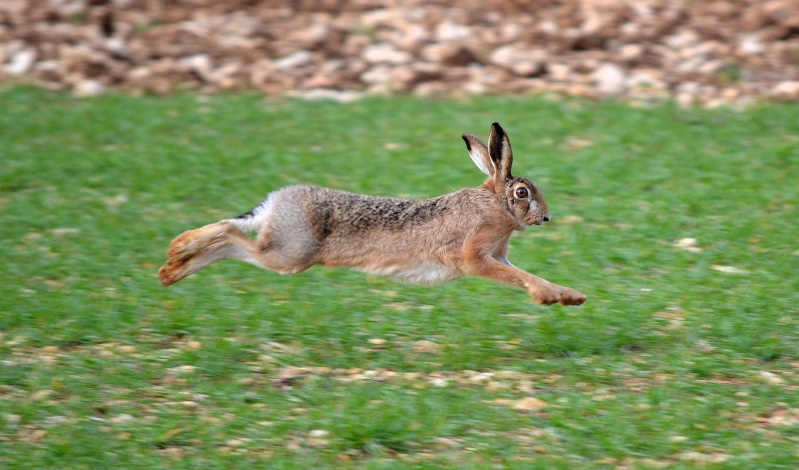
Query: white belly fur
427	273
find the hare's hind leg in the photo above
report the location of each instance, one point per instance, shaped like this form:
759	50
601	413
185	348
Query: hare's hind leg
196	249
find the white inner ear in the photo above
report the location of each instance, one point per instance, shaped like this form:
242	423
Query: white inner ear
479	160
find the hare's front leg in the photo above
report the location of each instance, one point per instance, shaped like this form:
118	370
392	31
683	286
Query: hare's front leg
569	296
541	290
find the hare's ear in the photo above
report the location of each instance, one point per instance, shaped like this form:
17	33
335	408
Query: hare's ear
479	153
500	152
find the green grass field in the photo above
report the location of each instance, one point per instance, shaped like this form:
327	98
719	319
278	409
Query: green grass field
680	358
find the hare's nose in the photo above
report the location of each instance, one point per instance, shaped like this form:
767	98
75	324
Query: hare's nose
547	217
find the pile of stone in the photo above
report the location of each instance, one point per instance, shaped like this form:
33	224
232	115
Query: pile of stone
697	52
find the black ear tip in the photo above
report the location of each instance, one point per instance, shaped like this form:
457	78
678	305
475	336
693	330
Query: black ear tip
497	128
466	139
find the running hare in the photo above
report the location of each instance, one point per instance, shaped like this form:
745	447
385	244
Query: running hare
421	242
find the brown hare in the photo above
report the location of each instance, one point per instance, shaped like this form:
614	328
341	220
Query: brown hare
421	242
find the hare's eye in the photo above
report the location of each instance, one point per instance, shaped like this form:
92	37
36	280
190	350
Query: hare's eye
521	193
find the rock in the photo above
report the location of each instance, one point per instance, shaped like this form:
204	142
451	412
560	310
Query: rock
407	36
647	79
688	244
426	347
88	88
386	54
433	90
610	79
314	35
750	45
560	72
711	67
448	31
377	75
702	459
683	39
548	27
426	71
771	378
529	404
182	369
689	88
728	269
786	89
293	61
439	381
453	54
40	395
522	61
631	52
200	64
13	419
21	62
236	442
117	47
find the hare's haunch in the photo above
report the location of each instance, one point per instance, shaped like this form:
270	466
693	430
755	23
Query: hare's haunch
420	242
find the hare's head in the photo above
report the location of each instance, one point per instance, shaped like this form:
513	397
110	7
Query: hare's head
522	198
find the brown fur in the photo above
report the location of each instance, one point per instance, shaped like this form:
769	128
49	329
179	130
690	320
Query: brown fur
426	241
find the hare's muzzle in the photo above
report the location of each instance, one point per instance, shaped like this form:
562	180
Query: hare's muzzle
538	219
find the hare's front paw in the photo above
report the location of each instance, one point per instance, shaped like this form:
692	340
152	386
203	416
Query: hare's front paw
546	296
553	294
569	296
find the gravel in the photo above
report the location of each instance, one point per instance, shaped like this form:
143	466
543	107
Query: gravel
706	53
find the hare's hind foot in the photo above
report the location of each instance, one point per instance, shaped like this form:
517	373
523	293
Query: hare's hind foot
189	252
188	243
180	253
170	274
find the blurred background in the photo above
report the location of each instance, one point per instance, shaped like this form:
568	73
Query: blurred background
705	52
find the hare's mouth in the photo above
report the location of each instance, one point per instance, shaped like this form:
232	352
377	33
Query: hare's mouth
535	220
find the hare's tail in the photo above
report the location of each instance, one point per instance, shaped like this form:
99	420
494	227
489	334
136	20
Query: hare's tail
252	220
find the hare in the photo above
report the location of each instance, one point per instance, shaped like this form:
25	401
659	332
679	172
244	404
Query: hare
417	241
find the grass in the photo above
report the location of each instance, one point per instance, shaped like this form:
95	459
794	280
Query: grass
678	359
